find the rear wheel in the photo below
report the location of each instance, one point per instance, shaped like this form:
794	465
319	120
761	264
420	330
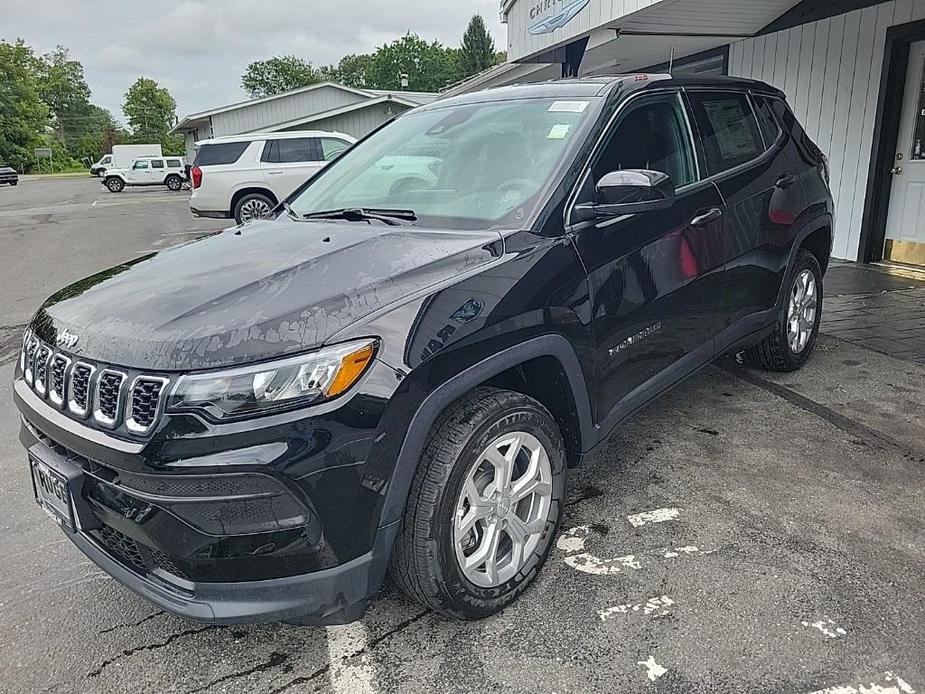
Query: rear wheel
484	505
174	183
794	338
252	206
115	185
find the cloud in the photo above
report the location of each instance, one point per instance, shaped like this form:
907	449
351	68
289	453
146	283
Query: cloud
200	49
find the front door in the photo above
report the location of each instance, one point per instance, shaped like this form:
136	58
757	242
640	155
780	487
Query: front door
288	163
905	226
655	277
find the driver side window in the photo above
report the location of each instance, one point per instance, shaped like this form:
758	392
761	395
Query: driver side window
651	134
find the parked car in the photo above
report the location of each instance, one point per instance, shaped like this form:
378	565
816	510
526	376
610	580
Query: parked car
245	176
147	171
260	424
8	175
122	157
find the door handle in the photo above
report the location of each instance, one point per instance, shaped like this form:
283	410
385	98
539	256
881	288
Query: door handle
785	181
896	170
704	217
274	173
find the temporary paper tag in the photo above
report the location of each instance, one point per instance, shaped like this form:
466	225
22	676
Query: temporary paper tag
558	131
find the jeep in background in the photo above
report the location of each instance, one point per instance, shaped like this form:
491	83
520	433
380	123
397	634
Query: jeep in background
260	424
147	171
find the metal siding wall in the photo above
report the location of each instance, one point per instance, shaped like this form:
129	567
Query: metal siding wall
268	113
830	71
357	123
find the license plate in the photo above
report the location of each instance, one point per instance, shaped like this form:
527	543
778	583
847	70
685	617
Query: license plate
52	494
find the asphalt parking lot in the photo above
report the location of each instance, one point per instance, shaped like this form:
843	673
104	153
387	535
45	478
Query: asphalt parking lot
748	533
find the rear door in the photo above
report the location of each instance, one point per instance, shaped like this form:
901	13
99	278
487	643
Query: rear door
747	160
158	171
288	163
655	277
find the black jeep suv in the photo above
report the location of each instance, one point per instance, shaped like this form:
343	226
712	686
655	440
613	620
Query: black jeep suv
395	372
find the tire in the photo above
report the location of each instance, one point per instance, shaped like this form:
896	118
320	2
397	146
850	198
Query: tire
14	183
173	183
115	185
786	349
426	561
249	206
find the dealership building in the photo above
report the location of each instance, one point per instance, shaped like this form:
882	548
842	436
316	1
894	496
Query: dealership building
853	72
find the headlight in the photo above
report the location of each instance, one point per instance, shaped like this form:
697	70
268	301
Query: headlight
285	384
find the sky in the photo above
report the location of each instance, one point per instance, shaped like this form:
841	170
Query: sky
200	49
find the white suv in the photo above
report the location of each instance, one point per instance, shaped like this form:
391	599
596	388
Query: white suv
245	176
147	171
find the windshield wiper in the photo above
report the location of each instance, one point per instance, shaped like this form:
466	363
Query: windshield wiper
388	216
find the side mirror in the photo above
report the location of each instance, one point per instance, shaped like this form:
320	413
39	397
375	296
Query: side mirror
628	192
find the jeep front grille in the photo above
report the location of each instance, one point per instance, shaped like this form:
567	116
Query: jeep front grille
108	397
146	398
111	398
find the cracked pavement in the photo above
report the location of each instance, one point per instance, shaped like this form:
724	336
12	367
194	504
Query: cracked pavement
771	513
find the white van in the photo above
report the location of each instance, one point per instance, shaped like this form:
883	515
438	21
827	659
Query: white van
245	176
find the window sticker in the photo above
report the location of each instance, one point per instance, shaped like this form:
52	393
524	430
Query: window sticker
568	107
559	131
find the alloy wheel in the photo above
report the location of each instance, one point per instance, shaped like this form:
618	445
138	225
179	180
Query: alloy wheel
801	313
254	209
502	510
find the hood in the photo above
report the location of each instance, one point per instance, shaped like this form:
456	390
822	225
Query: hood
258	292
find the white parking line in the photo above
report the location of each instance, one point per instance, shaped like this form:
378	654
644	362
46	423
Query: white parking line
573	539
827	627
689	550
887	683
357	676
658	604
659	515
653	669
590	564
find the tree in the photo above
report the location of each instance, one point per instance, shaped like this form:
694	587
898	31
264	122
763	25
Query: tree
151	112
23	115
278	74
478	49
430	66
352	70
62	87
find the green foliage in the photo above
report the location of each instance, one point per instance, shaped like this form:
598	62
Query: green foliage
151	113
23	115
277	75
478	48
62	87
429	66
352	70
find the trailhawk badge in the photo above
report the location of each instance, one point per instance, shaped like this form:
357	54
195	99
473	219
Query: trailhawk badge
67	340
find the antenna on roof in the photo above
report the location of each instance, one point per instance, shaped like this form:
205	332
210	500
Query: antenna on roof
671	60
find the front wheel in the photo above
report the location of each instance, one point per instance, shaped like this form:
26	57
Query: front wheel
484	505
790	345
115	185
174	183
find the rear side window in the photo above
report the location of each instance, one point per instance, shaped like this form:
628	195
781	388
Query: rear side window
157	163
220	153
292	151
173	163
728	129
332	148
767	121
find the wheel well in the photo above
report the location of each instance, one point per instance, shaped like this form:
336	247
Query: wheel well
819	243
544	379
247	191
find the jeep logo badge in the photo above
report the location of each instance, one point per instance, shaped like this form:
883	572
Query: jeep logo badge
67	340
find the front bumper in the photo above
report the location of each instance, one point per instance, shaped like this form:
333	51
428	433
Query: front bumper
234	524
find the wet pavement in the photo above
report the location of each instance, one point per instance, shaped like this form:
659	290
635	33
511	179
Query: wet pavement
748	533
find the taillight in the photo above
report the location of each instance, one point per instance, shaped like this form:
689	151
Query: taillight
196	174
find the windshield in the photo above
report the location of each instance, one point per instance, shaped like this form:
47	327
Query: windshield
475	165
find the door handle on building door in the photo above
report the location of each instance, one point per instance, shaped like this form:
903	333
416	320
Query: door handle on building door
705	216
896	170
